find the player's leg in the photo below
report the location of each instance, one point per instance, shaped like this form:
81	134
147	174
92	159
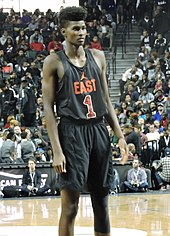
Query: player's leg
69	205
101	215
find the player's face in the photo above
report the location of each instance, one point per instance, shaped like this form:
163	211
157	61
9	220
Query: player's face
75	33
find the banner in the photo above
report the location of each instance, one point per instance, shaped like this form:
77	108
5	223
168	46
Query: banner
13	176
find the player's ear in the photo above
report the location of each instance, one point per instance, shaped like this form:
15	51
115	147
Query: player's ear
63	31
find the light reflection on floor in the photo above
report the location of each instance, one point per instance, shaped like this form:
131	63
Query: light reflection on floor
79	231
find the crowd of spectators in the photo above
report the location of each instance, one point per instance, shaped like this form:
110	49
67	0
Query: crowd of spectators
144	107
25	40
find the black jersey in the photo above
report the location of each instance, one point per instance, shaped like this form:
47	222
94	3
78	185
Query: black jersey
79	92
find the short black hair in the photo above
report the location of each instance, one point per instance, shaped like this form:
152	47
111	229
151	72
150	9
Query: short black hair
71	14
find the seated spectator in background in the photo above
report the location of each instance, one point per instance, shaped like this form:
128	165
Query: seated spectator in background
146	41
132	137
128	75
163	176
25	149
95	43
21	36
91	30
164	142
13	123
10	50
33	25
31	182
146	97
159	112
160	97
132	152
9	118
17	132
36	45
8	99
146	23
54	45
8	147
143	57
105	33
39	157
136	178
5	36
150	70
153	107
161	21
153	143
38	35
158	126
132	92
159	45
20	57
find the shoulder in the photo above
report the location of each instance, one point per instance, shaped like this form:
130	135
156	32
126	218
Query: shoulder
99	57
97	53
51	61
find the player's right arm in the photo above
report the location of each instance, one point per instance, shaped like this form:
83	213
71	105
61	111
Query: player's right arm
50	68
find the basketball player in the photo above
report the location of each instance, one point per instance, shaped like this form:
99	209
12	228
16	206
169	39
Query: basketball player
75	79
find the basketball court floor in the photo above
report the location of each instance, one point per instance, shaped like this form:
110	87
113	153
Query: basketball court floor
140	214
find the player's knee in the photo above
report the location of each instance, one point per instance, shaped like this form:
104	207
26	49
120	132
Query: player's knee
71	211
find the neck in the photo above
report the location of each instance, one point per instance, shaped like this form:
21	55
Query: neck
75	52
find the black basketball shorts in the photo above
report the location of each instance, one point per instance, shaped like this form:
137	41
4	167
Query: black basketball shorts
86	146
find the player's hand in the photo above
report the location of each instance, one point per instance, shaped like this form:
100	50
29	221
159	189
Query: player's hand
59	163
123	150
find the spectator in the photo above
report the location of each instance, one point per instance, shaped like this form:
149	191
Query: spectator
8	100
39	157
2	16
159	45
28	105
132	137
105	34
164	142
161	22
37	35
132	151
31	182
8	148
146	97
17	132
36	45
91	30
25	149
22	36
33	25
136	178
95	43
146	41
159	112
4	38
146	23
129	73
163	176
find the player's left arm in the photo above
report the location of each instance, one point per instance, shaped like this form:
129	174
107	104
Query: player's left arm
111	115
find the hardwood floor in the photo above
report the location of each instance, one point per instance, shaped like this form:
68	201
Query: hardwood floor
130	214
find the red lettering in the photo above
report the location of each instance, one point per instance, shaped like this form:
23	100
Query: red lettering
82	88
94	84
87	86
76	87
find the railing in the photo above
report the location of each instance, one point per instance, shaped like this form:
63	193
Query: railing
114	59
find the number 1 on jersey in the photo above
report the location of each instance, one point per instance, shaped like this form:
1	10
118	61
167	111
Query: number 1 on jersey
88	102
